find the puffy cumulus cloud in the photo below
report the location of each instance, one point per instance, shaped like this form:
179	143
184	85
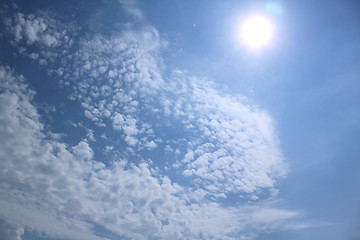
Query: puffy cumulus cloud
39	30
35	171
230	144
83	151
110	74
217	144
116	78
234	146
62	192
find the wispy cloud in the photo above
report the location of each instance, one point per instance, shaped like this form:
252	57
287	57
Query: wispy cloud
132	8
10	231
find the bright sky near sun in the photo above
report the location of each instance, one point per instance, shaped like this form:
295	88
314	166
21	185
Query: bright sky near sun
256	31
169	119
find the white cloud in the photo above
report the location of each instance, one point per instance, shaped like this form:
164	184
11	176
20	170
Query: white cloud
40	30
189	156
61	192
227	134
34	172
131	140
150	145
109	148
118	121
90	135
83	151
35	29
218	144
233	139
131	8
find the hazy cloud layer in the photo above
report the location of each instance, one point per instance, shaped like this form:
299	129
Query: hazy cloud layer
10	231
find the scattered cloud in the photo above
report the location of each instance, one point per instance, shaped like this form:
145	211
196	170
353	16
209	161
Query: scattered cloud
215	144
46	183
40	29
233	143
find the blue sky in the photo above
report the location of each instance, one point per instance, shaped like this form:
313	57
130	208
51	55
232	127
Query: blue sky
154	120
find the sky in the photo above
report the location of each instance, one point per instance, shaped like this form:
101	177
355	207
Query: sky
156	120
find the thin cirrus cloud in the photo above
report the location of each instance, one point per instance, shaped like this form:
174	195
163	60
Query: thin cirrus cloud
211	144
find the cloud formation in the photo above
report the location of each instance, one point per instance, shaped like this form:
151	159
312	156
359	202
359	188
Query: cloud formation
205	145
10	231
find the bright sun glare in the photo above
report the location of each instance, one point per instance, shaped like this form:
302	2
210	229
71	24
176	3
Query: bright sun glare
256	31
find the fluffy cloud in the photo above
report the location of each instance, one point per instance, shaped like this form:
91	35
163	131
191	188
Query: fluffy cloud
235	147
83	151
47	187
233	143
38	176
40	30
217	144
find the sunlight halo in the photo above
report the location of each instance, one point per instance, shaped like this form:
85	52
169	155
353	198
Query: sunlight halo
256	31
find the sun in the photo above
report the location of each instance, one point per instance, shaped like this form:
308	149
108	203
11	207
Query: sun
256	31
